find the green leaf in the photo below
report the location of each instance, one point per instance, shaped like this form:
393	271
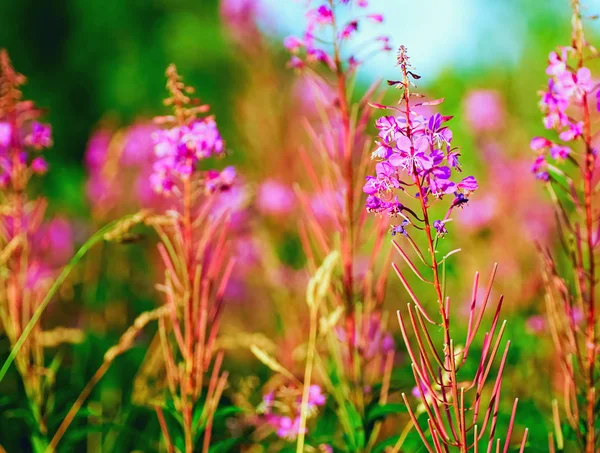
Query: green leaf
381	446
381	411
358	430
227	411
225	445
21	414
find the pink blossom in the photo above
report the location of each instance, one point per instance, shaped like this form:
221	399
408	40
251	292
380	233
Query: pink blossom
577	84
540	168
536	324
97	149
288	428
138	145
575	130
484	110
233	203
377	18
293	44
40	136
421	391
349	29
315	397
180	148
557	64
321	21
323	15
39	165
5	135
220	181
560	152
275	198
295	62
538	143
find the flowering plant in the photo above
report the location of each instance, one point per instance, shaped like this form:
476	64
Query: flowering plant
32	250
567	166
415	153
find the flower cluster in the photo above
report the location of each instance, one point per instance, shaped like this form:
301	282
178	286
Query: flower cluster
281	409
179	150
188	140
20	132
414	152
312	47
33	135
409	150
568	87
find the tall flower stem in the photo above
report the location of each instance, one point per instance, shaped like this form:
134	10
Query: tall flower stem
588	175
419	149
448	349
347	167
195	250
591	315
310	358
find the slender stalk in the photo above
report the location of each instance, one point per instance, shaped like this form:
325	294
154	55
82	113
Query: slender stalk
448	349
588	175
310	357
347	159
87	390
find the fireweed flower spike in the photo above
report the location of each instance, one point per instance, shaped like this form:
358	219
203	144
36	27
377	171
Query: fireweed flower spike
332	47
27	271
418	168
196	253
566	164
359	353
415	158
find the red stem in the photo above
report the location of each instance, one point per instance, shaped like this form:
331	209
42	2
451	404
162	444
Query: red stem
448	349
